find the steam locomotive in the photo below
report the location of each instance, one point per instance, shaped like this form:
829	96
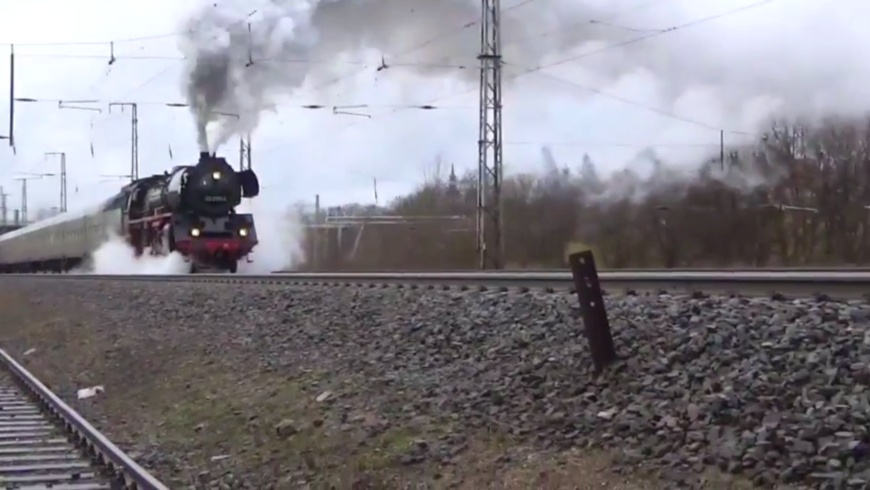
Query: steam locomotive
191	210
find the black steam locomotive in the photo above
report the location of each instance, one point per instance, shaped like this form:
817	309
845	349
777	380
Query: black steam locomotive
191	210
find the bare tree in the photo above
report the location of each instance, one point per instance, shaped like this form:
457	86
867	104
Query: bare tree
799	196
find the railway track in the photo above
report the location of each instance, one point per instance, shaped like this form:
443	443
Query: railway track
832	282
45	444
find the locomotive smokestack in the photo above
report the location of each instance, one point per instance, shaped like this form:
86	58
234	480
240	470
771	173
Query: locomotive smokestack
204	155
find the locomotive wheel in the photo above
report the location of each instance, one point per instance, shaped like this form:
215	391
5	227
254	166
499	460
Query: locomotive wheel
233	266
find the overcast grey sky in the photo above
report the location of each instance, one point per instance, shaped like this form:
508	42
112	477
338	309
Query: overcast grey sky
672	91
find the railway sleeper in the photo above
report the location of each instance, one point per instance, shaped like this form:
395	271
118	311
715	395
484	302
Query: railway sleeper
42	447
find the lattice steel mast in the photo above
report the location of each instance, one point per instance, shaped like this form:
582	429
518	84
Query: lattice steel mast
134	136
23	215
62	175
490	247
3	211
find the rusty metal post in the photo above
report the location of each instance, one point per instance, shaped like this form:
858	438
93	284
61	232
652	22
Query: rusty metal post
592	308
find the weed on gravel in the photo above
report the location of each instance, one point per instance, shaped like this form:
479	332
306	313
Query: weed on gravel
226	387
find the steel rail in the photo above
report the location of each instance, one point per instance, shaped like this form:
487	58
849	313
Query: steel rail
839	268
125	473
851	284
832	283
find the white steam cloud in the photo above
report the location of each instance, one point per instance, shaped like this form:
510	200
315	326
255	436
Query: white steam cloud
117	257
279	248
280	240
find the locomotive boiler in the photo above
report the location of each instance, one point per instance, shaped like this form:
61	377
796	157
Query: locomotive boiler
192	210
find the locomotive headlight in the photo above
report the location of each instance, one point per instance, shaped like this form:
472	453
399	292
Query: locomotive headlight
216	176
243	232
194	232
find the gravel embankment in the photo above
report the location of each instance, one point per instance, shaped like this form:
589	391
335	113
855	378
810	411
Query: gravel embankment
250	385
